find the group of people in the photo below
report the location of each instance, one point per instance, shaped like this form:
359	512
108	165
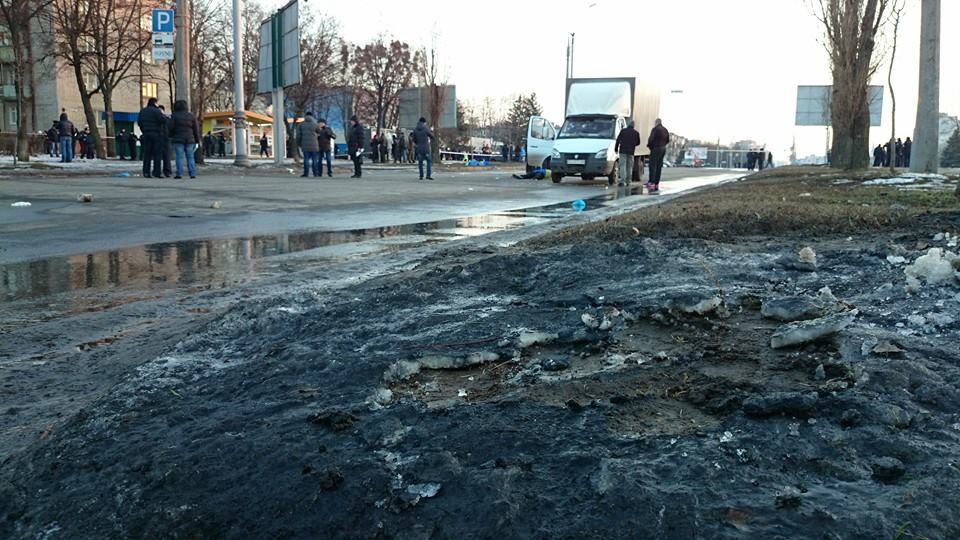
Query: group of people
317	142
179	132
899	154
214	145
627	142
759	159
66	142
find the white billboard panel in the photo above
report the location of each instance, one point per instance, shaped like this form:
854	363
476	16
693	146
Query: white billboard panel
813	105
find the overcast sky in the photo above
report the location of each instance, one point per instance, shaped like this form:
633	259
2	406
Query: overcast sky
738	62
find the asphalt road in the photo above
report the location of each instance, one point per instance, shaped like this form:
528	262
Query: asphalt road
131	211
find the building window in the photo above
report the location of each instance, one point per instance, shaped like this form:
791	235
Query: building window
12	116
148	89
101	122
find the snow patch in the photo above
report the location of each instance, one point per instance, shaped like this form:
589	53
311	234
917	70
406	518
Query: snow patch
936	267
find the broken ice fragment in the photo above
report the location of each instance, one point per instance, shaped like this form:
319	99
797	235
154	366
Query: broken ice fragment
461	393
590	321
424	491
808	256
795	308
936	267
726	437
798	333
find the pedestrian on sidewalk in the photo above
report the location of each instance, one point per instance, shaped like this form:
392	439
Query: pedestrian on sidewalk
401	146
208	145
184	134
82	141
907	148
878	156
53	140
121	144
355	146
308	134
152	123
166	148
132	144
66	130
264	146
626	146
657	143
221	145
422	137
326	140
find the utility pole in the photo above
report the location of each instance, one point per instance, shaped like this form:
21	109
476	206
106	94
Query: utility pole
240	143
925	155
181	22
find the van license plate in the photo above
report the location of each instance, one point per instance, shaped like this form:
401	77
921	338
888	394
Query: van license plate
576	162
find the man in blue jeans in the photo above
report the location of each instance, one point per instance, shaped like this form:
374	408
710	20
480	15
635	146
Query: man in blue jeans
308	133
66	139
421	138
325	140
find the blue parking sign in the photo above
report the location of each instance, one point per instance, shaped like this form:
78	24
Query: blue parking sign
162	21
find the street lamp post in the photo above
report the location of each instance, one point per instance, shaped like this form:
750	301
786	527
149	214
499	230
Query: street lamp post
241	145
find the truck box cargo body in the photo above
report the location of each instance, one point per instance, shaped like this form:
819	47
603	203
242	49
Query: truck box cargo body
596	111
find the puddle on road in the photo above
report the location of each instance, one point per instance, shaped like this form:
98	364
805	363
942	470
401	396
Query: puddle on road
216	260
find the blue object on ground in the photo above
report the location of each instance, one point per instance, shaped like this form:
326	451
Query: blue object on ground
123	174
579	205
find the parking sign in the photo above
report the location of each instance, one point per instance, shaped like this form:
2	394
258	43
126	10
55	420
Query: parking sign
162	21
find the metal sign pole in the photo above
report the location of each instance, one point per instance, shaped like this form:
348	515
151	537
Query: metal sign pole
279	130
240	142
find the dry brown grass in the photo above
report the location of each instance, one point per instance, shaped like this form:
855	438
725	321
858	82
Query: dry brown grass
785	202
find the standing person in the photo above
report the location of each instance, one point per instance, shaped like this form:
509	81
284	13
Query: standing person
401	146
657	143
907	148
264	146
888	154
761	158
395	149
384	145
184	133
66	130
626	146
878	156
53	140
121	144
151	122
221	145
89	146
355	146
208	145
375	147
325	139
411	148
422	136
899	151
308	134
132	144
82	141
166	148
769	160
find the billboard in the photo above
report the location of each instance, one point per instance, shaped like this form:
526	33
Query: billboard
696	153
415	103
279	64
813	105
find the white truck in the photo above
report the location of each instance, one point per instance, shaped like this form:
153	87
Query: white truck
596	111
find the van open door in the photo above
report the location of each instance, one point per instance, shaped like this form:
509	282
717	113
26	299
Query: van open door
540	137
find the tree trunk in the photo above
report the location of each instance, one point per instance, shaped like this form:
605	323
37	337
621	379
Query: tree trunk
88	108
23	136
111	129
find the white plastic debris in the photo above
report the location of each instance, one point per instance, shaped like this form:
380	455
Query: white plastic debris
216	205
808	256
896	259
726	437
461	393
936	267
85	197
20	204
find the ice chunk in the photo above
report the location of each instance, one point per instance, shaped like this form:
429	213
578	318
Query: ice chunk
795	308
798	333
20	204
936	267
529	338
808	256
896	259
590	321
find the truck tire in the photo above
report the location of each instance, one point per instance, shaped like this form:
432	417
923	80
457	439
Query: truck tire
612	177
557	178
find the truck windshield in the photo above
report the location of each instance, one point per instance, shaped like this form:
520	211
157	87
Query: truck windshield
588	128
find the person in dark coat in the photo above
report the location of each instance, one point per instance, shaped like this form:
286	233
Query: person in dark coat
121	144
626	148
355	146
899	153
907	148
264	146
82	141
401	140
878	156
308	137
325	139
888	154
184	133
383	147
657	143
152	125
132	144
66	130
208	145
53	140
422	137
166	147
221	145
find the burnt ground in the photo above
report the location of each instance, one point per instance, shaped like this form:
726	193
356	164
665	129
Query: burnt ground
614	380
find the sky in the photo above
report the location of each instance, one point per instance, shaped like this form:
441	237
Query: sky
728	69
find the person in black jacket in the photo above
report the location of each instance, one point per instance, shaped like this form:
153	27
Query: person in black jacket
121	144
221	145
152	124
355	146
53	140
422	136
166	148
66	130
326	138
878	156
627	142
132	143
184	134
657	143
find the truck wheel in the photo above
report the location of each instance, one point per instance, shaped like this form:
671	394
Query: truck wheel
557	178
612	178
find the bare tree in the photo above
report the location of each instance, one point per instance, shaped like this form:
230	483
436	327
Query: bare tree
851	28
209	74
320	61
71	23
433	79
254	14
896	12
383	70
19	17
117	40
